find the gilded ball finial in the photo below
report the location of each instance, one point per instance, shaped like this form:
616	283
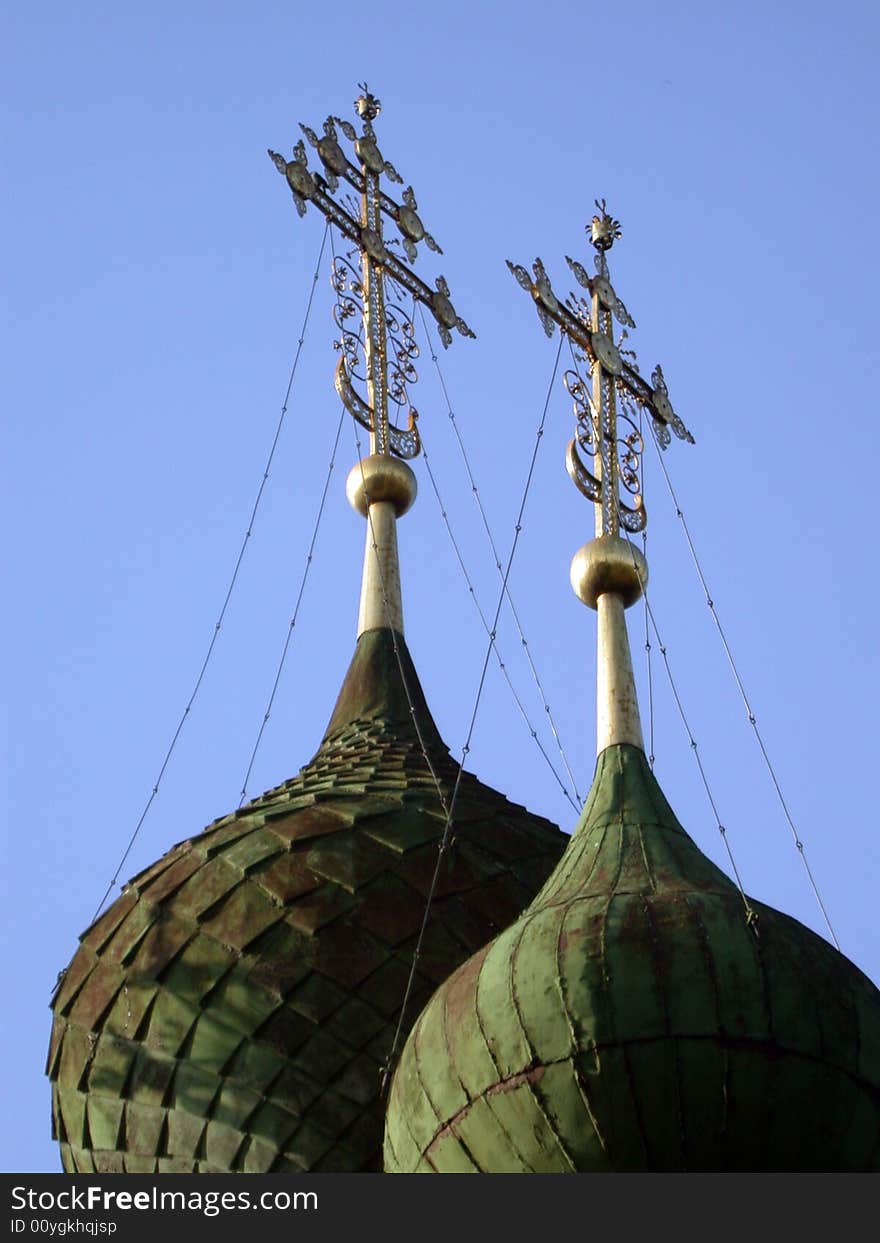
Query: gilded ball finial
608	564
380	477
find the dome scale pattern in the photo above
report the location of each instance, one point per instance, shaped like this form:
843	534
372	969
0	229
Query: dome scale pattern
231	1011
630	1019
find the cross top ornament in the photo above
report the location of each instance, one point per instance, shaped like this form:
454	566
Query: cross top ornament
377	342
614	392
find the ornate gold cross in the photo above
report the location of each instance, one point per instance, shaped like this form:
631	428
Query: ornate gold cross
615	379
376	332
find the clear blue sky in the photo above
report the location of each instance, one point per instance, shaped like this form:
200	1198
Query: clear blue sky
158	277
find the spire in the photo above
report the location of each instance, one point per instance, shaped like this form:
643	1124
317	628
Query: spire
608	573
377	336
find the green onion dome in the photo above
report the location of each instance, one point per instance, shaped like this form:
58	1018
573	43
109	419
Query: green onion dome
633	1018
234	1007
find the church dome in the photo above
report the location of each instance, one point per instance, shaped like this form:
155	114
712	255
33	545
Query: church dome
641	1014
634	1018
234	1007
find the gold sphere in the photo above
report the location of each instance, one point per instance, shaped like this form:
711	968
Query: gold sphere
608	564
381	478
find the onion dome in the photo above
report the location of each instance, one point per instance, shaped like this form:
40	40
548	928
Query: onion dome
633	1019
642	1013
233	1009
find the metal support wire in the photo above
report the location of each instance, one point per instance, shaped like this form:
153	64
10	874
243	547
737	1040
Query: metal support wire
475	492
799	844
446	839
751	913
293	620
501	663
219	622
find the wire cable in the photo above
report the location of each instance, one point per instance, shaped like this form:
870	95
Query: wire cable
483	619
475	492
446	837
799	844
219	622
295	615
751	913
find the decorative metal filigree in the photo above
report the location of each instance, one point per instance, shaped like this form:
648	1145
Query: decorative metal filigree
601	285
401	350
619	392
377	340
587	437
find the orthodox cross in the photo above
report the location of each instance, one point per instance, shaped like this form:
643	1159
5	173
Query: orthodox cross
378	339
615	382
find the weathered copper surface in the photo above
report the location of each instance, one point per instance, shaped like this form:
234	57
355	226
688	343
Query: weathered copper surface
631	1019
233	1008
